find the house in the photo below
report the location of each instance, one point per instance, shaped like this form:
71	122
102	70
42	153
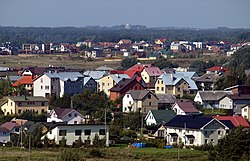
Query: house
160	41
17	105
109	81
90	84
207	81
95	53
184	108
32	71
210	99
124	41
156	117
124	86
169	84
4	135
69	115
165	101
217	70
192	130
234	102
29	48
96	75
139	101
245	112
72	132
26	81
236	120
59	84
150	74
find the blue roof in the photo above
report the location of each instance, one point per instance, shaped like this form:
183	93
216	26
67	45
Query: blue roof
64	76
118	77
95	74
189	121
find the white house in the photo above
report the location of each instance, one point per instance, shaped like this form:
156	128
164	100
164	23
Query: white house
69	115
59	84
155	117
192	130
245	112
72	132
210	99
184	108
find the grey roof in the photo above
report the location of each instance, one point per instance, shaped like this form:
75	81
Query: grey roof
95	74
27	99
213	95
139	94
15	78
64	76
118	77
187	76
104	68
166	98
86	80
163	116
4	68
209	77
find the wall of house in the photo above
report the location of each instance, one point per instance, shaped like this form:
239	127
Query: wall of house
160	87
149	103
4	137
180	88
74	117
198	99
73	87
145	76
178	110
70	133
91	85
41	86
245	112
226	103
126	102
212	133
105	84
9	107
150	120
38	106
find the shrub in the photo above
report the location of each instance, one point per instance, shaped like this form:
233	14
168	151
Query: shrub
70	155
95	153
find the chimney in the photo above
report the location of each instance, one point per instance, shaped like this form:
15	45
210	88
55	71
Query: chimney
172	76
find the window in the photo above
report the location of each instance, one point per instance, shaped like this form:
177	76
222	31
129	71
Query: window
162	88
206	141
129	102
157	88
102	132
43	111
75	122
46	87
212	140
50	132
219	132
42	103
191	141
87	132
150	103
145	109
41	80
62	132
41	87
245	109
10	103
69	115
103	84
75	115
149	96
145	77
127	96
19	111
175	139
78	132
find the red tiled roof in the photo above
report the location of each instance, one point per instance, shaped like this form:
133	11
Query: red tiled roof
218	68
10	125
140	67
187	106
236	120
24	80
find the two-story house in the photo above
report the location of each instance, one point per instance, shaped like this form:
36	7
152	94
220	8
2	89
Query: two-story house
192	130
150	74
69	115
185	108
17	105
58	84
139	100
109	81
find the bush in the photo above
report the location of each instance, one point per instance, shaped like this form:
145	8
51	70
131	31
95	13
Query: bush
62	143
95	153
205	147
70	155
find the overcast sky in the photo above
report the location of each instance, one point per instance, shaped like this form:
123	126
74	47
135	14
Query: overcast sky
152	13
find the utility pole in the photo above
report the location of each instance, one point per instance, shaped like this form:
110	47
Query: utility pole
105	124
29	147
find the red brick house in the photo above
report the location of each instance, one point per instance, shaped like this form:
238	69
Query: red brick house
124	86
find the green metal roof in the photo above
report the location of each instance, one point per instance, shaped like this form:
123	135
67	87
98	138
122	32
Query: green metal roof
163	115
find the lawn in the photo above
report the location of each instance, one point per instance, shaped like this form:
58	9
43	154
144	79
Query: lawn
111	153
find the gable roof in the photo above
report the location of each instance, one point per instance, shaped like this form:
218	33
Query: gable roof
166	98
163	115
213	95
236	120
61	112
26	79
218	68
186	106
96	75
118	77
189	121
35	70
122	84
139	67
10	125
64	76
139	94
169	79
153	71
27	98
208	77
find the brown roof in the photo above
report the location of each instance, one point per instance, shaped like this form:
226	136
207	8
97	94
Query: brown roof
208	78
187	106
139	94
10	125
239	96
122	84
61	112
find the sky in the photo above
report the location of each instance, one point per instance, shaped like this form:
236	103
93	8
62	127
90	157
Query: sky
152	13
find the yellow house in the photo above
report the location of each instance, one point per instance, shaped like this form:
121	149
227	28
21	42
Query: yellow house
168	84
17	105
109	81
150	74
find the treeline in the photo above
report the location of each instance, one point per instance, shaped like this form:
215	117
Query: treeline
20	35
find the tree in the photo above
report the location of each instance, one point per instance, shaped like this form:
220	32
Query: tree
63	142
162	63
128	62
234	146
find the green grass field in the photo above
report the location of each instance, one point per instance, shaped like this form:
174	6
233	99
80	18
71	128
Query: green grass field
111	153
